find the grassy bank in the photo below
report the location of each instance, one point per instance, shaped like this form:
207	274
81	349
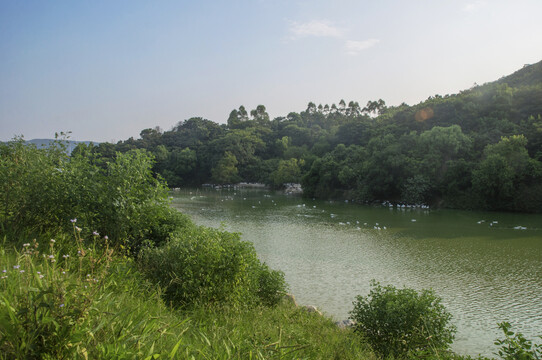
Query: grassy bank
57	303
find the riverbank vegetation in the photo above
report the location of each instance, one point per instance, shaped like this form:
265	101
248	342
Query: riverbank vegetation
100	306
96	265
478	149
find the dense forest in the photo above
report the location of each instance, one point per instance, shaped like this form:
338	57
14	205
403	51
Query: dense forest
481	148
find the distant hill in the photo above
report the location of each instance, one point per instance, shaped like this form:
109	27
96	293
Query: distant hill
71	144
529	75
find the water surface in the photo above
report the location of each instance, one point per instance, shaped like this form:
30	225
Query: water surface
483	266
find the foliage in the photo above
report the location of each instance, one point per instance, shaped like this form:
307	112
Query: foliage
271	285
400	321
288	171
178	166
80	301
209	266
119	315
43	188
515	346
32	193
505	170
226	171
126	319
454	142
416	190
47	300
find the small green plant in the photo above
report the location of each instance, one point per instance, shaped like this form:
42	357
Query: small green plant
399	322
515	346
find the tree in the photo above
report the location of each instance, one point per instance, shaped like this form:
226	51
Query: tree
505	168
416	190
160	153
241	143
354	132
353	109
342	107
513	150
335	173
387	166
226	171
195	133
233	120
494	182
260	115
179	167
321	180
288	171
533	131
299	136
440	145
375	107
150	137
311	108
281	145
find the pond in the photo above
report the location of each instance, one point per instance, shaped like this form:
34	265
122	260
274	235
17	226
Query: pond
486	266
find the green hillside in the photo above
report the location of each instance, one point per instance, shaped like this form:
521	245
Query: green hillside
529	75
478	149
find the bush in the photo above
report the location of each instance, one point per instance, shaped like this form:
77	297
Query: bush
516	347
32	195
209	266
397	322
271	285
42	189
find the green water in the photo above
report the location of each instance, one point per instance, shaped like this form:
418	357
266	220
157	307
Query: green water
485	270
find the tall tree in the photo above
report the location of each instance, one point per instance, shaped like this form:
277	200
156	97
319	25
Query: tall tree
260	115
226	171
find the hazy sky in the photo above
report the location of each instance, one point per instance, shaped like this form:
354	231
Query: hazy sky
105	70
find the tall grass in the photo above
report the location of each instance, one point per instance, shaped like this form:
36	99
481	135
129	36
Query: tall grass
74	298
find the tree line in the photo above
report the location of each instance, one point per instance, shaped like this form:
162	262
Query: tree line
478	149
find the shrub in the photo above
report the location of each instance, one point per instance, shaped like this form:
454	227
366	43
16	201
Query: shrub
271	285
31	190
209	266
515	346
397	322
41	189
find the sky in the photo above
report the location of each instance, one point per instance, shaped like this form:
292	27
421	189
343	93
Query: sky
105	70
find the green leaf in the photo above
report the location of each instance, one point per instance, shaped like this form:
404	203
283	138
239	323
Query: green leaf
175	348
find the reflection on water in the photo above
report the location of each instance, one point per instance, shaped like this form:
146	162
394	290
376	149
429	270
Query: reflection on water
484	267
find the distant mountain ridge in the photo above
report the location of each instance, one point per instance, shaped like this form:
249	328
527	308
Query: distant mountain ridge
71	144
